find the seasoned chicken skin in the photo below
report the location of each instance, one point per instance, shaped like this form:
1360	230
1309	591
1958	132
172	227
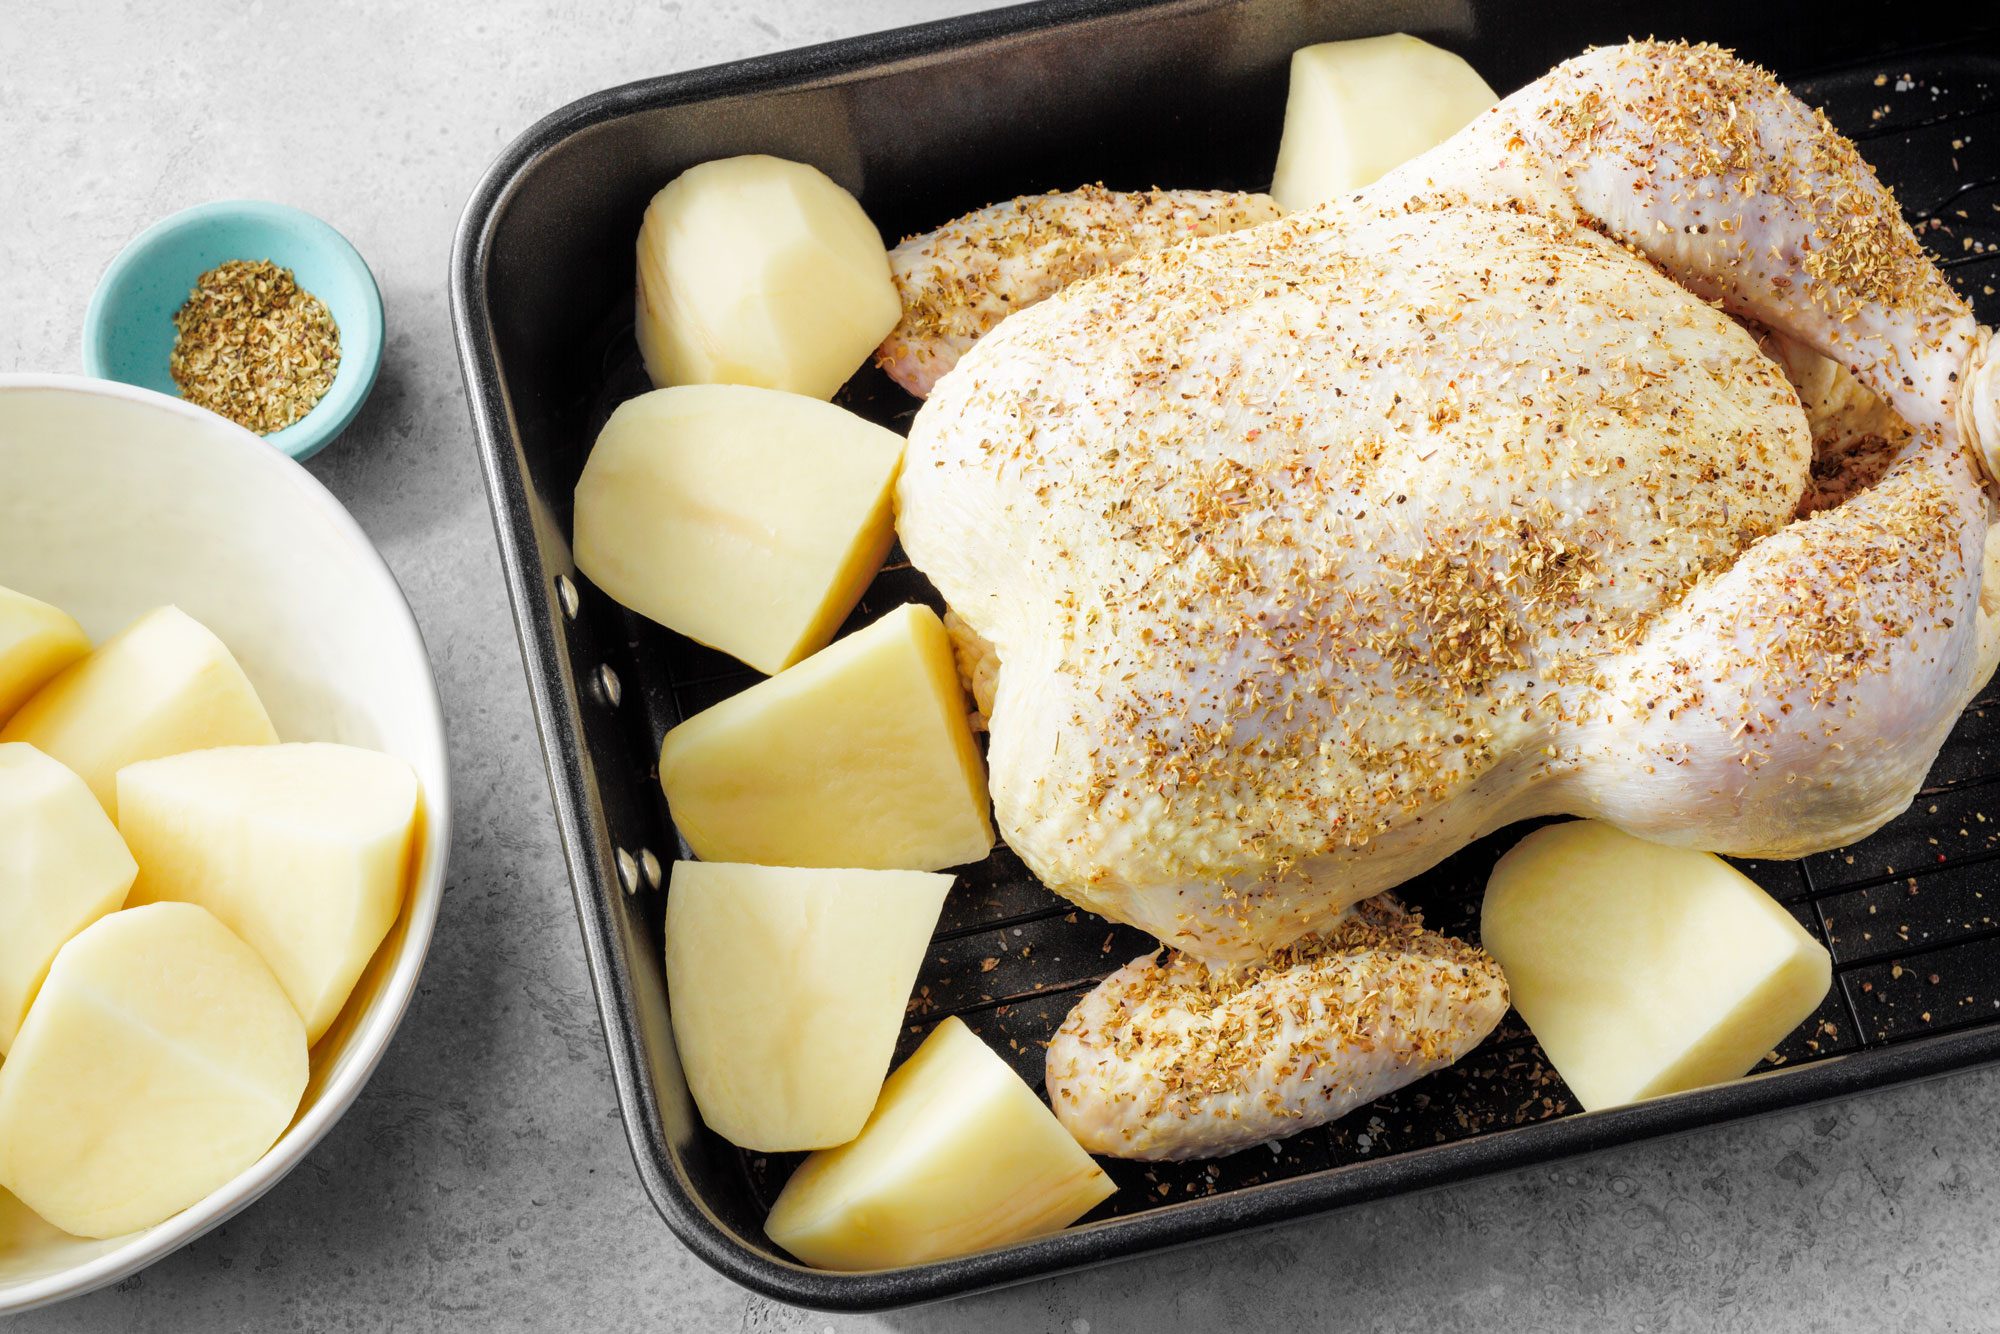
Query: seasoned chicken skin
1170	1059
961	280
1299	556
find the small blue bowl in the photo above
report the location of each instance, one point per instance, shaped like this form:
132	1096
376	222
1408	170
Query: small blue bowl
128	333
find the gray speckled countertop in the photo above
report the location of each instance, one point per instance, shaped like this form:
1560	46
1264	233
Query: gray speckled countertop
482	1181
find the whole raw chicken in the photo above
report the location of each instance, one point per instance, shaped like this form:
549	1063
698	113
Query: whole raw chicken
1293	559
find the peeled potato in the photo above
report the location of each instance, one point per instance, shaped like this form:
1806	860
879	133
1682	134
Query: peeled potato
959	1155
862	755
160	1059
746	518
62	866
1359	109
302	850
161	686
1645	970
755	270
788	988
36	642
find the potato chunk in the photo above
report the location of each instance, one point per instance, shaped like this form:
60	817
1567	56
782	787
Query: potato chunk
755	270
1358	109
862	755
62	867
302	850
788	988
748	519
1642	969
162	685
160	1059
959	1155
36	642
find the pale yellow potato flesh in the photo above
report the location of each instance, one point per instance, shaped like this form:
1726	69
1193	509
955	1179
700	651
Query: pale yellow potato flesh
756	270
163	685
160	1059
1358	109
303	850
36	642
787	988
62	866
862	755
748	519
1645	970
959	1155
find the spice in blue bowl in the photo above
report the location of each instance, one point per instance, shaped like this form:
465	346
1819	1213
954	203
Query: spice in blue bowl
129	332
254	346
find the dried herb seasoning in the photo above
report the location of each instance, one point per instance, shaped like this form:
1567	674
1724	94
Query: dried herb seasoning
254	346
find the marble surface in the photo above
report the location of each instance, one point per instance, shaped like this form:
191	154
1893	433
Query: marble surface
483	1180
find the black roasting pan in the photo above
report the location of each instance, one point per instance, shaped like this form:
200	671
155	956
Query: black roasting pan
924	123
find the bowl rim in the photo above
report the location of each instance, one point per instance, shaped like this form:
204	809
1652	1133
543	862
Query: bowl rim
377	1028
333	413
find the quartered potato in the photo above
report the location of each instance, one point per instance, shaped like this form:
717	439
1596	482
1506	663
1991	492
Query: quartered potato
302	850
161	686
862	755
959	1155
62	866
1642	969
748	519
1358	109
755	270
36	642
787	989
159	1060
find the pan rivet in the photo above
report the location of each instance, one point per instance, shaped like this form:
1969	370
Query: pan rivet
651	866
608	687
628	872
566	595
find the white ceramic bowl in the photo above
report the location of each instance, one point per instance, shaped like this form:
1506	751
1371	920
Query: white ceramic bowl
114	500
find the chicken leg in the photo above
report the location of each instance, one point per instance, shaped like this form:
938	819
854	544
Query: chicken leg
1795	701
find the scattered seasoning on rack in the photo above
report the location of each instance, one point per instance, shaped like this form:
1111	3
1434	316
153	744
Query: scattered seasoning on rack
254	346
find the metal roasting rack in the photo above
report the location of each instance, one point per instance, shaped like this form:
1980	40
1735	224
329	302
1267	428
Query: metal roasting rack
1911	915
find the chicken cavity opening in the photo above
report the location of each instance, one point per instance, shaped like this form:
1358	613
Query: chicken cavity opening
1856	435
